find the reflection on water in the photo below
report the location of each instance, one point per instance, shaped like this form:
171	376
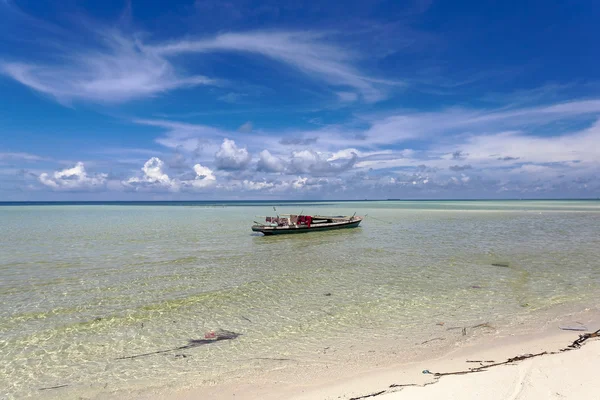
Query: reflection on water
84	285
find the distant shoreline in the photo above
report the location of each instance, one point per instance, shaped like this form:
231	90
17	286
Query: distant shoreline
267	202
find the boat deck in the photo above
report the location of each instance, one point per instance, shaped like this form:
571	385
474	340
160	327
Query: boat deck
330	223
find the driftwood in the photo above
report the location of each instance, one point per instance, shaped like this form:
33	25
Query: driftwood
219	335
582	338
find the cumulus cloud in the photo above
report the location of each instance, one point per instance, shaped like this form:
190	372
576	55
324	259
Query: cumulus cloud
314	163
75	178
204	178
154	177
257	185
270	163
230	157
204	173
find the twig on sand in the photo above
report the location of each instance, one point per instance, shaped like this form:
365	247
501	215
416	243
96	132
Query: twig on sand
484	367
53	387
368	395
219	335
484	325
431	340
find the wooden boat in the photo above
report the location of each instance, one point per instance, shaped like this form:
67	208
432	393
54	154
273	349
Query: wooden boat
288	223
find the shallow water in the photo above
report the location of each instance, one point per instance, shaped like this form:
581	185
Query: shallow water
82	285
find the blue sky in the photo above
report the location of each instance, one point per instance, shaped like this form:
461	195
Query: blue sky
206	99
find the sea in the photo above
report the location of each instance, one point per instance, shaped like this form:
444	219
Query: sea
114	300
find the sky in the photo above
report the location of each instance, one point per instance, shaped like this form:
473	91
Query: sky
265	99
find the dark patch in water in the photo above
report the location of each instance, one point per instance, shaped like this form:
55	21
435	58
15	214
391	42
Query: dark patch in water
219	335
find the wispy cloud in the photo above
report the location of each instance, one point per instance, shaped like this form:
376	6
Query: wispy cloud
400	127
308	52
20	157
121	67
118	69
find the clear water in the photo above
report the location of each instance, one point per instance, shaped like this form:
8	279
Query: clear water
82	285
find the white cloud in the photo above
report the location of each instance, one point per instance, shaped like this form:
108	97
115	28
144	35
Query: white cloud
257	186
153	171
451	141
306	51
121	67
580	146
204	177
453	155
20	157
186	137
270	163
299	183
230	157
317	164
154	177
75	178
118	70
402	126
246	127
204	173
347	97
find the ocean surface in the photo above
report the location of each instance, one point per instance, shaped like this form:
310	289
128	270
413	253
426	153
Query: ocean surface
82	287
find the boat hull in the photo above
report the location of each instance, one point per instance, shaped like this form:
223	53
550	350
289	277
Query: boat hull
267	231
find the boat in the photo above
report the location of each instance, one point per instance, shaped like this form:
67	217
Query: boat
288	223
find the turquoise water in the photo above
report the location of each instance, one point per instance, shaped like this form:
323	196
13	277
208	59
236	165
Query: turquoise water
82	285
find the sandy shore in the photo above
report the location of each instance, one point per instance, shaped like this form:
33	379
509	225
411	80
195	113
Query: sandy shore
565	375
